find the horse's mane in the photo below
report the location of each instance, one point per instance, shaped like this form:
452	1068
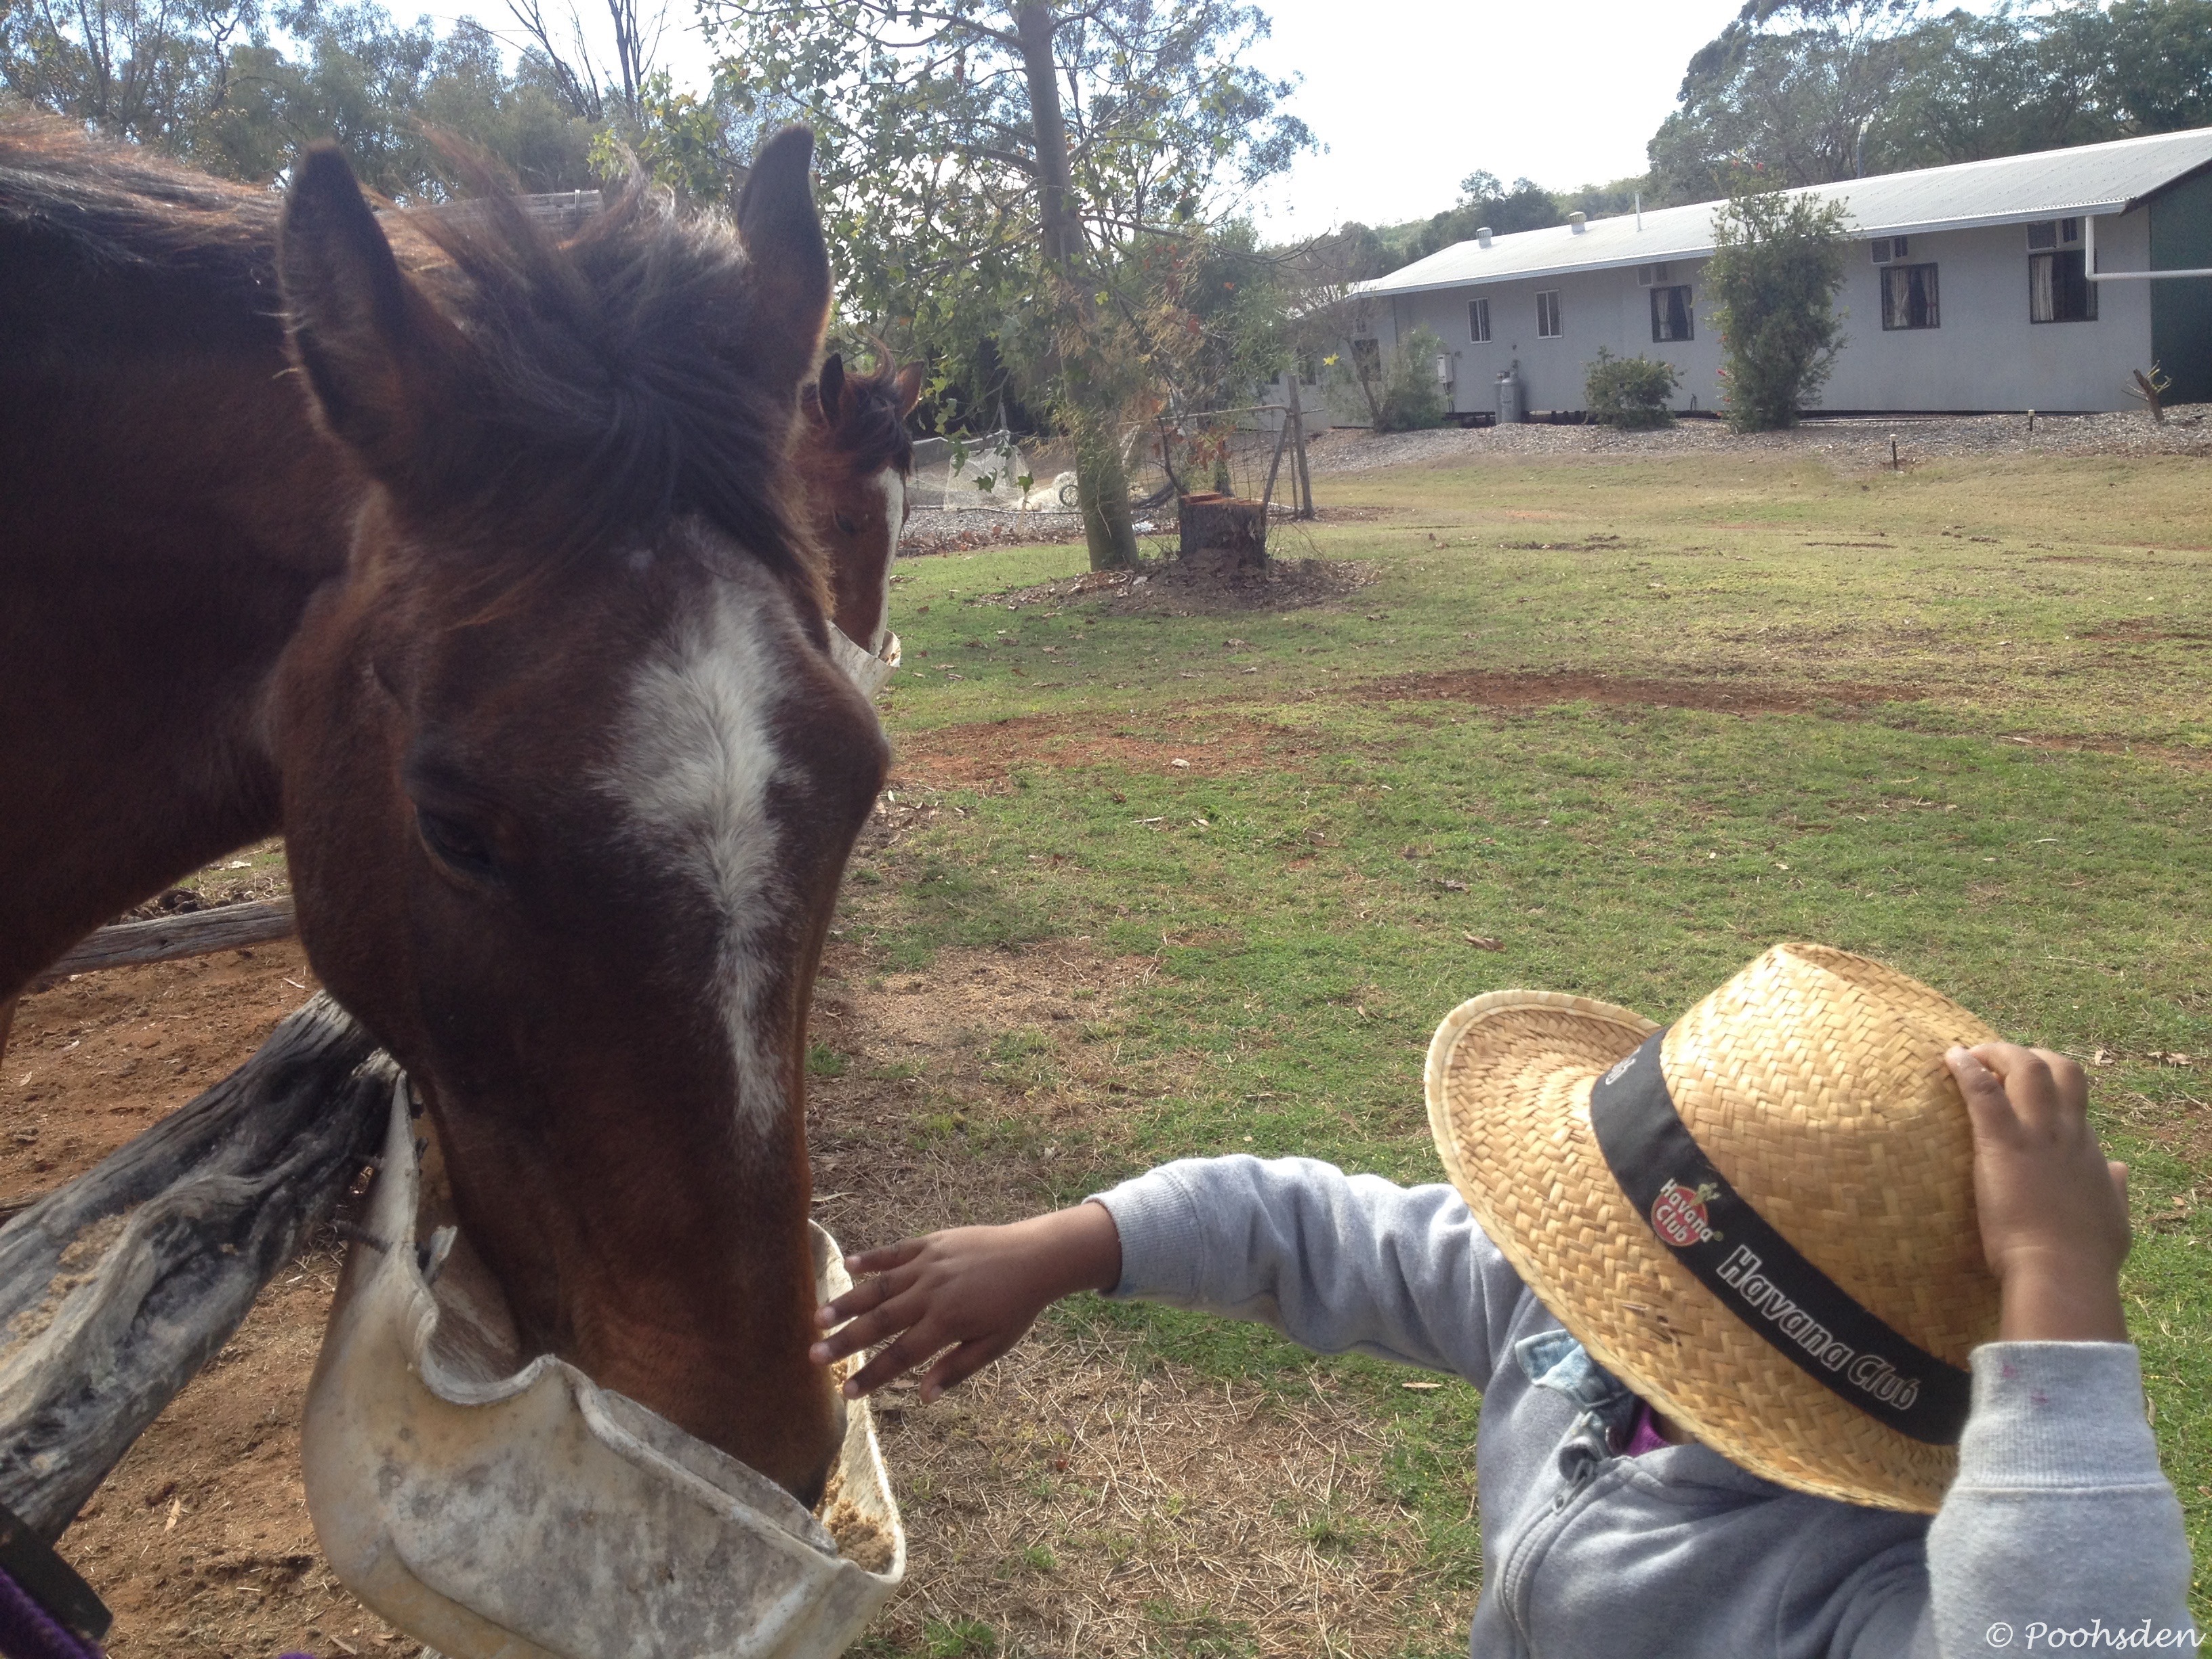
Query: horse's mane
616	391
608	388
116	206
872	432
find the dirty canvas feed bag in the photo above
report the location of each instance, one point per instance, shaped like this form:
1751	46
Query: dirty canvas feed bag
497	1512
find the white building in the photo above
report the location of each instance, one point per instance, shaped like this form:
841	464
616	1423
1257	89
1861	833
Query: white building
1967	288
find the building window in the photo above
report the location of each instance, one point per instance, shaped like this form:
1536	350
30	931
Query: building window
1908	297
1478	320
1652	275
1547	314
2054	233
2059	289
1670	313
1889	248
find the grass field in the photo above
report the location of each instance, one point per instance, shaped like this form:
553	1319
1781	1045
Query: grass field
1610	728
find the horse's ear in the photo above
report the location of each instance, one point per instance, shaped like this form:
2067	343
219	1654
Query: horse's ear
830	388
908	387
375	349
783	235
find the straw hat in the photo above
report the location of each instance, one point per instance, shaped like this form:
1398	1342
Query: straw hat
1762	1220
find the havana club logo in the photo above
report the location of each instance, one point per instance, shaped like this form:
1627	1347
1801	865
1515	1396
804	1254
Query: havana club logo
1678	1215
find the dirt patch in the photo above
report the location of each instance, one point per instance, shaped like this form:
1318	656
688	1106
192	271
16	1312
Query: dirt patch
1544	690
982	755
99	1057
1592	544
2142	630
1286	585
2194	760
200	1541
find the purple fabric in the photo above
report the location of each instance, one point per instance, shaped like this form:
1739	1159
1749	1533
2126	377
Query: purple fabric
28	1631
1646	1435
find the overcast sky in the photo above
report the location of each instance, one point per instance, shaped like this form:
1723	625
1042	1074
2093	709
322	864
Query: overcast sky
1409	96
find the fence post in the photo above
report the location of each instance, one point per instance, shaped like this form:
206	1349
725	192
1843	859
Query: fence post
1305	480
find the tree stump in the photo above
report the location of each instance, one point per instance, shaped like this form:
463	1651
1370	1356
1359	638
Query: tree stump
1223	538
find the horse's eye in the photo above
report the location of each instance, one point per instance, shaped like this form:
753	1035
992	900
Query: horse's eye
845	526
454	842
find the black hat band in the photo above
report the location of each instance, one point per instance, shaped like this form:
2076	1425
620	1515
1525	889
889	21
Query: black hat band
1757	1274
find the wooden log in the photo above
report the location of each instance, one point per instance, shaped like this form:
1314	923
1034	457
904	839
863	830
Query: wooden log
117	1288
1222	536
194	933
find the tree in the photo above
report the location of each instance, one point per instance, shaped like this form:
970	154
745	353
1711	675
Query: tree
1790	89
2156	64
582	85
1010	172
1803	92
140	69
1484	202
206	83
1778	262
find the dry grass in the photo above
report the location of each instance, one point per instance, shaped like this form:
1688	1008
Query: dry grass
1075	1500
1083	1496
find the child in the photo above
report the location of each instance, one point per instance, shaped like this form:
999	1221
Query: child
1748	1301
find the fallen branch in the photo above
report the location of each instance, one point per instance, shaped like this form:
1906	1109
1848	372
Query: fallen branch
192	934
116	1289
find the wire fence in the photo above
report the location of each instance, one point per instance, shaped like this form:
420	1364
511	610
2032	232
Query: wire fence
1231	451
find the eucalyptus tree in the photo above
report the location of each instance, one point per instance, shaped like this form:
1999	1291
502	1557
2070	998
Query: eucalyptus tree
999	177
1807	92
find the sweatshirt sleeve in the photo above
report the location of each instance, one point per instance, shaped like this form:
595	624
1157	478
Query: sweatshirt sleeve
1336	1262
2060	1520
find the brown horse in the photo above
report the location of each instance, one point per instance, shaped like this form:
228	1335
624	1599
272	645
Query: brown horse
856	460
477	568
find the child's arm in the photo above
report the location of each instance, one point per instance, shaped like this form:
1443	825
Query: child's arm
1336	1262
2060	1517
2054	1214
973	1291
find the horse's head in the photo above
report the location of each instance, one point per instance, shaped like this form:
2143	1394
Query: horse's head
570	775
858	461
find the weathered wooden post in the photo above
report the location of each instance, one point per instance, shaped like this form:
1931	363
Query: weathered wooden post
116	1289
1304	507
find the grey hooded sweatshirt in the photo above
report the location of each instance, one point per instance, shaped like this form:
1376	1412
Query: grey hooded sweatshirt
2060	1530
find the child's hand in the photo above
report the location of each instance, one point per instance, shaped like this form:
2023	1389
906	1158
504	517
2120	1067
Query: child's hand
974	1290
2054	1214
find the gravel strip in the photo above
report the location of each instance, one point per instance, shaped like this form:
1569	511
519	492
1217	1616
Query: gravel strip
1862	441
1857	442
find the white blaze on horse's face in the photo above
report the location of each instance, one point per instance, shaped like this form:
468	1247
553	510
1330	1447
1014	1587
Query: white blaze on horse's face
699	762
894	489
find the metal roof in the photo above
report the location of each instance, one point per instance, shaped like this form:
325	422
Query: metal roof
2012	189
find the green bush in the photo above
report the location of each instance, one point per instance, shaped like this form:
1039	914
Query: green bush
1630	391
1411	399
1778	262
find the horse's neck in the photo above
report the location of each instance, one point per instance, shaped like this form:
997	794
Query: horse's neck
166	512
